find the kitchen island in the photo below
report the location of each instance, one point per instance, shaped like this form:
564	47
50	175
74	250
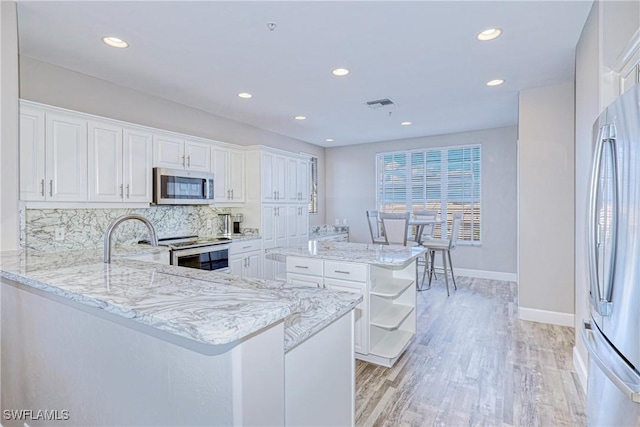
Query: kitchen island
385	276
138	343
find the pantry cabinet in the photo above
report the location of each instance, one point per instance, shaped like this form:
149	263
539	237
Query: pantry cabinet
119	163
274	177
229	175
175	152
53	156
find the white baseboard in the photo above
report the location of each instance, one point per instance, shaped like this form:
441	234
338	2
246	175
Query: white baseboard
581	368
544	316
483	274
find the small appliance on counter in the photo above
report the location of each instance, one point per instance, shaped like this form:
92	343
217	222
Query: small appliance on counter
226	223
237	219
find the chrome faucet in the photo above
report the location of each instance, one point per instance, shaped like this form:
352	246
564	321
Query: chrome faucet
153	238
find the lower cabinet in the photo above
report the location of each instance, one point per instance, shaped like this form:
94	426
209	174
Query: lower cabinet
385	320
245	259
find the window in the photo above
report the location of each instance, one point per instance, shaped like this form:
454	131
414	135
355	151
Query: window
446	179
313	170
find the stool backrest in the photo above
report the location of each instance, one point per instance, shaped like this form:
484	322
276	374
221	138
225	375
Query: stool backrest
395	226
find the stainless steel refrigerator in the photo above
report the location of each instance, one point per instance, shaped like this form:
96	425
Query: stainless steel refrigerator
612	333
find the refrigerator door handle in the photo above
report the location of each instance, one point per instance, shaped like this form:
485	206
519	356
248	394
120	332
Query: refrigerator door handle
601	304
610	363
608	290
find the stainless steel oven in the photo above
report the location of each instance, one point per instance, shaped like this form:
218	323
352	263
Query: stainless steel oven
202	253
210	257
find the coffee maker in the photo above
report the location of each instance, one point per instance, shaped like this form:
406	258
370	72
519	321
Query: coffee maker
237	219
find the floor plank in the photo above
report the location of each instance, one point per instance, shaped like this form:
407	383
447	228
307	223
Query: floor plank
474	363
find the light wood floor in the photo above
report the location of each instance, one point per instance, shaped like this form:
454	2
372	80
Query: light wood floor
473	362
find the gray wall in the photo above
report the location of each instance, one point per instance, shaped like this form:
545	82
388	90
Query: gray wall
49	84
546	201
351	188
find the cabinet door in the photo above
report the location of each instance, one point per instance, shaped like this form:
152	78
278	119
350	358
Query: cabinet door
253	265
268	176
304	180
236	265
293	213
361	326
303	223
66	158
291	185
280	177
198	156
235	175
220	159
168	152
138	165
281	229
105	162
32	184
268	226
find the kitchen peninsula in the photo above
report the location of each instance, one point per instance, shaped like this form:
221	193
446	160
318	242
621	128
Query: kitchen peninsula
137	343
385	276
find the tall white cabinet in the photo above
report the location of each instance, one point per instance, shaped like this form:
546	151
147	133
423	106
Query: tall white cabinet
229	175
276	202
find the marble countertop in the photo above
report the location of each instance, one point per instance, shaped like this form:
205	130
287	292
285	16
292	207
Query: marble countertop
206	307
389	256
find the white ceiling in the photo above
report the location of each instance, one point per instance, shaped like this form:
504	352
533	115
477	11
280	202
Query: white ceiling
422	54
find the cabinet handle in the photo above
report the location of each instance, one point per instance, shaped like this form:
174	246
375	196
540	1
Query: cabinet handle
42	187
246	247
189	161
341	271
232	194
127	191
228	194
182	161
277	195
248	262
51	187
244	262
121	190
302	266
274	194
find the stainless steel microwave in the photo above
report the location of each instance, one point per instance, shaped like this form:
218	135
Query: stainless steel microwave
182	187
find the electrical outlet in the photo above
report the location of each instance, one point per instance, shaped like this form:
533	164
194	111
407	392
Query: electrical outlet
59	233
209	224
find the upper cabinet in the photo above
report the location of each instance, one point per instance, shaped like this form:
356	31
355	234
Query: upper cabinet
177	153
229	175
53	156
274	177
119	163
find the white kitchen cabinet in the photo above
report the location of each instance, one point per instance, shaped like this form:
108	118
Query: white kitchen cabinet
298	180
274	232
175	152
245	259
229	180
32	149
385	320
274	177
119	163
53	156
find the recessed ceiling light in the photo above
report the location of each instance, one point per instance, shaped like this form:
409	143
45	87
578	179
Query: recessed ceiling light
329	140
405	123
489	34
300	117
340	72
245	95
115	42
495	82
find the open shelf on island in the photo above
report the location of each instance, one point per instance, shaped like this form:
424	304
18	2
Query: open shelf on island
393	344
390	287
391	317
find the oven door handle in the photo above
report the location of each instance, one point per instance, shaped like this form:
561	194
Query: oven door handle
178	253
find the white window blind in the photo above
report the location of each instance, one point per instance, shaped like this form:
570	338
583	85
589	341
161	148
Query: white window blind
446	180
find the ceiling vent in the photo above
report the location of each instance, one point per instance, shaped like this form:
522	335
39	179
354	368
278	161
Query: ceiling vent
379	103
